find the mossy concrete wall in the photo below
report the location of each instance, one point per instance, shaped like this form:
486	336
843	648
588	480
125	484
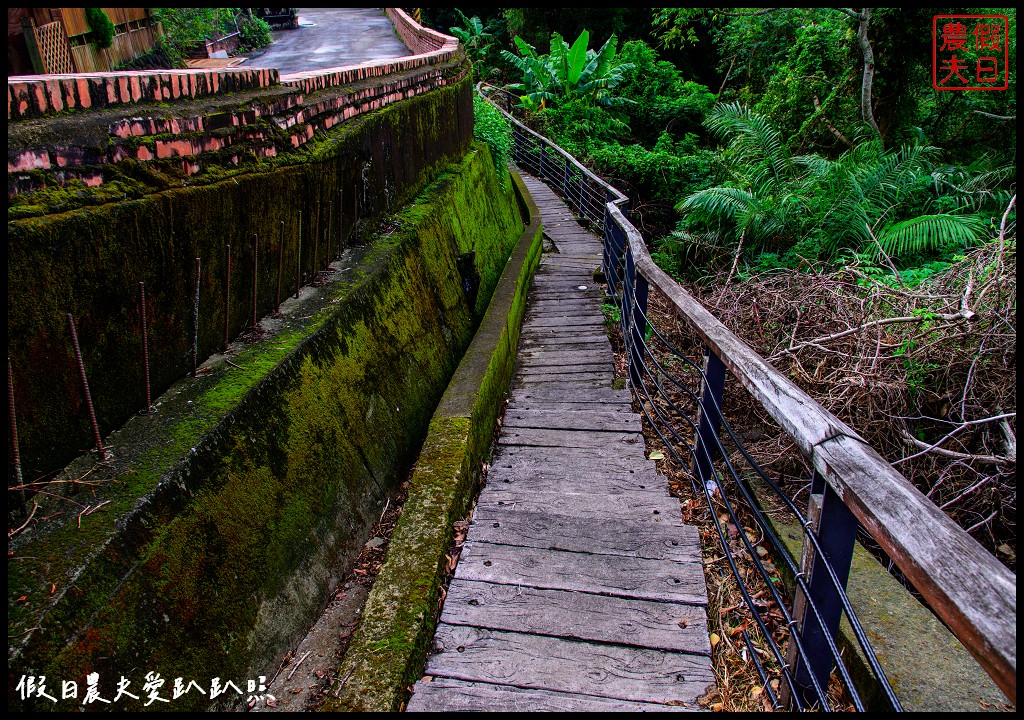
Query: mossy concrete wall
388	650
89	262
225	519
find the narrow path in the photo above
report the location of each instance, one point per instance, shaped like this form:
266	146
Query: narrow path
578	587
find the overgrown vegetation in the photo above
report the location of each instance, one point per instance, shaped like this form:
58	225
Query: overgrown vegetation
490	127
187	28
102	27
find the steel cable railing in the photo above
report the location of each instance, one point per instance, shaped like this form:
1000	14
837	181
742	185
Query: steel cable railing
851	485
662	393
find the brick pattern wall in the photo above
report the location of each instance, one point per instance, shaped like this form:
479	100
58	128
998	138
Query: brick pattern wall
190	137
32	96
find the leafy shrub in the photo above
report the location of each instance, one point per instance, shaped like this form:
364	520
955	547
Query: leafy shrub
255	32
490	126
102	27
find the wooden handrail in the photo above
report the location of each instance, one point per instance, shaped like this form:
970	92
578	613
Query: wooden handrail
971	592
966	587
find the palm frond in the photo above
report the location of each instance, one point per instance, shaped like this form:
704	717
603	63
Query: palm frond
932	232
752	136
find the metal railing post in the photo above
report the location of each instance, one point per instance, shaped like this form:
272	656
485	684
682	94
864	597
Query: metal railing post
709	417
540	172
836	529
637	285
565	180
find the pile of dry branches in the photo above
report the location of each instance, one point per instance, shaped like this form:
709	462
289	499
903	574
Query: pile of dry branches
926	374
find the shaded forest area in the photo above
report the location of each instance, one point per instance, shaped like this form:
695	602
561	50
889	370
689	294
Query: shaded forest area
798	171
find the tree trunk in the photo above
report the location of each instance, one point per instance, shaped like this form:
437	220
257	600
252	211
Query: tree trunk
869	69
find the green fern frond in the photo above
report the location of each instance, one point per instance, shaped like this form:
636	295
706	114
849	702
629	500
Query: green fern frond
932	232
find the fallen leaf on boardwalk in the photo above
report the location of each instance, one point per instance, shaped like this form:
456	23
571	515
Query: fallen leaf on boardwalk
717	707
715	639
656	455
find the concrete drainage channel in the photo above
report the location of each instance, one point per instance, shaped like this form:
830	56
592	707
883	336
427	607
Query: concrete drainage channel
382	633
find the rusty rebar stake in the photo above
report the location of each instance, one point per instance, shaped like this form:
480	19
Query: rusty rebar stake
145	348
18	482
280	267
255	277
85	386
195	323
227	297
298	258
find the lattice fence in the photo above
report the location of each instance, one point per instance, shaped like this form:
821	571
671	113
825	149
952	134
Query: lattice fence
53	48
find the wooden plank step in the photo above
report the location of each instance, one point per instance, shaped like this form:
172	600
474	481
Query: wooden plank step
600	378
555	531
567	320
594	398
534	465
543	663
577	616
447	695
541	358
605	367
563	307
612	487
572	420
626	442
606	483
536	339
656	507
609	458
563	383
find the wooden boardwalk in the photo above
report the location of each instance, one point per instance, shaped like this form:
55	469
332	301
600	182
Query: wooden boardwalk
578	587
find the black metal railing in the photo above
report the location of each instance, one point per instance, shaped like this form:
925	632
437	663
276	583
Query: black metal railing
682	402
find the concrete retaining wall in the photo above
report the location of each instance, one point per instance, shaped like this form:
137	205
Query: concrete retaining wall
225	519
388	650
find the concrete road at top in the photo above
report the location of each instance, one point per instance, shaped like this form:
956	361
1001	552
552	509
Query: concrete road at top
331	37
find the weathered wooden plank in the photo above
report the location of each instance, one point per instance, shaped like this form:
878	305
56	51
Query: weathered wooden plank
578	616
565	403
972	592
594	398
539	358
656	507
555	335
560	304
599	461
562	382
565	321
591	379
569	420
556	531
539	474
585	496
585	308
447	695
600	369
545	663
626	442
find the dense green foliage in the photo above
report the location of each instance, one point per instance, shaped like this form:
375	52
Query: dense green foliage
490	127
185	28
568	73
102	27
801	155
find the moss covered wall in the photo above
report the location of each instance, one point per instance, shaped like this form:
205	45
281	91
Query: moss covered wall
89	263
232	512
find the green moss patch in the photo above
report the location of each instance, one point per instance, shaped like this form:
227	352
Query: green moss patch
232	512
388	649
